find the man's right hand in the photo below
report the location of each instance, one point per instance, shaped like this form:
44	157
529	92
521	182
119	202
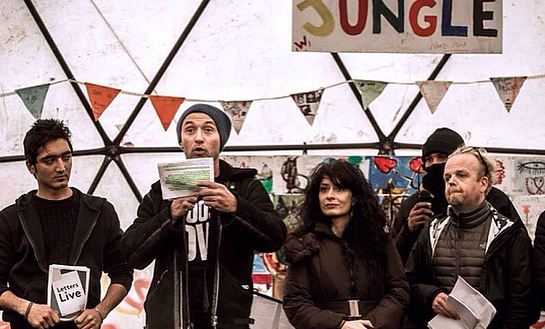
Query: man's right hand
419	215
440	306
42	316
180	206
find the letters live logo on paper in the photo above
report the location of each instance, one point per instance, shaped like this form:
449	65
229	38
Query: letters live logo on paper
69	293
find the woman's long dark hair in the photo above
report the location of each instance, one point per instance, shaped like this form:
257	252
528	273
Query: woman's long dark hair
365	233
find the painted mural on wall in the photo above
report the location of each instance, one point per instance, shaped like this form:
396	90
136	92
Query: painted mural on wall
396	177
523	179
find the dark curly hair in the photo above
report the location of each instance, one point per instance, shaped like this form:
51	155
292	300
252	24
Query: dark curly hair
365	234
42	132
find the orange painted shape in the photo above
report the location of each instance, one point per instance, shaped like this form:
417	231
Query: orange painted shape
100	97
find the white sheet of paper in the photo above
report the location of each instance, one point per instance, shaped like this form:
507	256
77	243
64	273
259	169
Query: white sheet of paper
69	293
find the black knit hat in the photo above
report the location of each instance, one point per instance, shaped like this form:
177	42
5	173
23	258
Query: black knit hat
222	121
443	140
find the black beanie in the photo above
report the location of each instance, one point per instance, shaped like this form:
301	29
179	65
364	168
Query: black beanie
443	140
222	121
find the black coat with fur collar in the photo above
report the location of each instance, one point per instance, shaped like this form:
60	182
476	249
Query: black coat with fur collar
319	274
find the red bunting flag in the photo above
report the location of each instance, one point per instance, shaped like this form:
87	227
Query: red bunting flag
508	88
166	108
100	97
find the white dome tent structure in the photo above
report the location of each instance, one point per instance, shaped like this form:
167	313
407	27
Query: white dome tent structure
226	50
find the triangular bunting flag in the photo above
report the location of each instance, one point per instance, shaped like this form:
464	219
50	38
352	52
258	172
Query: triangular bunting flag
369	90
34	98
100	98
166	107
308	103
433	92
237	110
508	88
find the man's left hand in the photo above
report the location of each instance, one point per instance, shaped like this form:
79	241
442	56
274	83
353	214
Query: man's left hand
217	196
89	319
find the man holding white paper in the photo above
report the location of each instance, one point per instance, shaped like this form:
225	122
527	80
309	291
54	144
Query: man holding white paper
57	225
203	244
491	252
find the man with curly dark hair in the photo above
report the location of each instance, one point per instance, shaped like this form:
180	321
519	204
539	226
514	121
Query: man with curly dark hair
344	270
57	224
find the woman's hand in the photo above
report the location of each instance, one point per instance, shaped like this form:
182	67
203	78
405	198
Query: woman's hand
357	324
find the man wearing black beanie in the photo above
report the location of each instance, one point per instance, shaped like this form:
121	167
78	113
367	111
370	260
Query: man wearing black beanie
203	245
430	201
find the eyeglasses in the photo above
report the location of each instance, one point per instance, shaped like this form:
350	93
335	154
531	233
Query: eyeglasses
482	160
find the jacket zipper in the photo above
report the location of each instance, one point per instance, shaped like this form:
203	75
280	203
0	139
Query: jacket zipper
30	240
87	235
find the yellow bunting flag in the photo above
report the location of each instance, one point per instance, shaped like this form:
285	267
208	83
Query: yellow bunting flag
100	97
308	103
166	107
433	92
508	88
237	110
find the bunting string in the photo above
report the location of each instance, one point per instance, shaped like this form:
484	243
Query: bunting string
308	102
132	93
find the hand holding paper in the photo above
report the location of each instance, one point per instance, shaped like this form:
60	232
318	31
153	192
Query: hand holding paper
474	310
180	206
89	319
217	196
40	314
440	305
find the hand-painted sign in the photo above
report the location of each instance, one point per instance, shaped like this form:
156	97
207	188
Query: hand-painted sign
398	26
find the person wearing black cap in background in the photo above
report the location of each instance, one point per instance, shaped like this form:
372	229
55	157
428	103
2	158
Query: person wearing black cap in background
430	201
203	245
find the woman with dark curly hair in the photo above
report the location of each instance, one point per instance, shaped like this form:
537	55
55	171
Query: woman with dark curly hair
344	270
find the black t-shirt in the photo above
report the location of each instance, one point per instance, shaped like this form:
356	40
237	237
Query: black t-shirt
197	227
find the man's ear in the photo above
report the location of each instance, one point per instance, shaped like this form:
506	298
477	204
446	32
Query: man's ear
485	181
31	168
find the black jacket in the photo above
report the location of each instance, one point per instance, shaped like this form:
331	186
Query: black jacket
318	283
96	245
539	260
154	236
505	276
405	239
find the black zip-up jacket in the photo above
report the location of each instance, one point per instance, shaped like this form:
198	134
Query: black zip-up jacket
505	277
96	245
255	226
